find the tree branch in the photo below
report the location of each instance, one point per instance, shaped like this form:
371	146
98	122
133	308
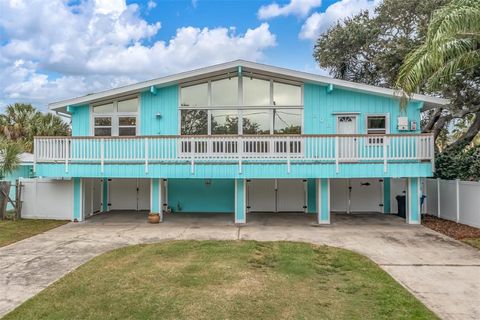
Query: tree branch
433	120
469	135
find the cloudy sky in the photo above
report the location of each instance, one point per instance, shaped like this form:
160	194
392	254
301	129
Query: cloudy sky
56	49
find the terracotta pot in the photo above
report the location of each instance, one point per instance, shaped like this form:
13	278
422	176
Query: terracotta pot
153	218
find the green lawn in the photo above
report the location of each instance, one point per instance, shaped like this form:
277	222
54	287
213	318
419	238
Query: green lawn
13	231
225	280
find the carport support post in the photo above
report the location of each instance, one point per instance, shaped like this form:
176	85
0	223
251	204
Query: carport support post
240	201
77	199
413	201
105	195
386	196
156	197
323	201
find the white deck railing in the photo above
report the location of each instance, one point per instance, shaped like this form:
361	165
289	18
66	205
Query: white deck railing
217	149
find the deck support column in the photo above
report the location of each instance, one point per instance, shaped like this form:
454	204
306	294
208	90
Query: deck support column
311	195
413	201
386	196
156	201
77	199
104	195
240	201
323	201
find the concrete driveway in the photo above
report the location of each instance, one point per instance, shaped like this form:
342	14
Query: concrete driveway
443	273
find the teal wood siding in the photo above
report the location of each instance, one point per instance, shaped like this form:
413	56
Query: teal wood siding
324	194
165	104
81	120
77	199
230	171
320	106
240	201
311	196
413	215
155	196
386	195
200	195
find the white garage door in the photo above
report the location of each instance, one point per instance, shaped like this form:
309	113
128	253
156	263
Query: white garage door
282	195
364	195
339	195
261	195
129	194
367	195
290	195
92	193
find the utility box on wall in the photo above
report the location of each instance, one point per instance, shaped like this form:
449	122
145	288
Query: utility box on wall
413	125
402	123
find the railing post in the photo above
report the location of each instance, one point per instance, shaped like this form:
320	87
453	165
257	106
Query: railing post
66	154
102	154
337	168
288	154
240	154
192	155
385	154
146	155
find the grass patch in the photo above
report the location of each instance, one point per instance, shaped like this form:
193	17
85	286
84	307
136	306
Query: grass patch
474	242
225	280
13	231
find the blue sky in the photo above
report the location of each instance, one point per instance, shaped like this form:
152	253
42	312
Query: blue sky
93	45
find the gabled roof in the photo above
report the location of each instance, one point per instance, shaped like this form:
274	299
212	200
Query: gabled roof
248	66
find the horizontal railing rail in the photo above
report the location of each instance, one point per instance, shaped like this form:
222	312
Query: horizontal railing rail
248	148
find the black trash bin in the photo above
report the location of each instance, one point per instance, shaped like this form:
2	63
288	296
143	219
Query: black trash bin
401	206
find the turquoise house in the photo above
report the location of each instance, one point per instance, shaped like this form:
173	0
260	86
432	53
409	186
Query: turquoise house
240	138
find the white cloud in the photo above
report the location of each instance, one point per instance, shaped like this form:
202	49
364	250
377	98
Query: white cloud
299	8
101	44
151	4
319	22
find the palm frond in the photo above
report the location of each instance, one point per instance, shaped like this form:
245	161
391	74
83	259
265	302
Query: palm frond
451	47
9	157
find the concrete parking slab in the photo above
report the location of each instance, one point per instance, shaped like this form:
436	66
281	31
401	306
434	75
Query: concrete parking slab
441	272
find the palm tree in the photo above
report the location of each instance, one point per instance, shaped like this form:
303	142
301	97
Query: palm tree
22	122
9	161
9	157
16	120
452	47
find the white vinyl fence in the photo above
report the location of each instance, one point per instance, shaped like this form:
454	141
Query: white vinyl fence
47	199
454	200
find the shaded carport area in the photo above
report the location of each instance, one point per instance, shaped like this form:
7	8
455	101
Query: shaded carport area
322	201
285	219
131	196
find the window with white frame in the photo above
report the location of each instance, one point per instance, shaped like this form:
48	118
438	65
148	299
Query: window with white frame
116	118
376	125
103	126
241	105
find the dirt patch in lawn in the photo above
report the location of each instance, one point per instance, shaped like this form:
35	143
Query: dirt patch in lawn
454	230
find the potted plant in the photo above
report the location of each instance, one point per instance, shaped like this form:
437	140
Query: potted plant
153	217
